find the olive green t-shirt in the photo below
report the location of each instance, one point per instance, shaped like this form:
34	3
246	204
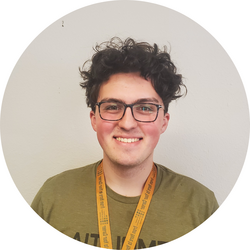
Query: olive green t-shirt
67	202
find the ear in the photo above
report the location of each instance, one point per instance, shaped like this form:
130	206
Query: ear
93	119
165	122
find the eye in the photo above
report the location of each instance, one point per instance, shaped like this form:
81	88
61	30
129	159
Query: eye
145	108
109	107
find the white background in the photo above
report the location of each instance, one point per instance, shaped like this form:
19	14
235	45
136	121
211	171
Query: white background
22	21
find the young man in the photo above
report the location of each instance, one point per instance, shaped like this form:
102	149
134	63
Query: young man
126	201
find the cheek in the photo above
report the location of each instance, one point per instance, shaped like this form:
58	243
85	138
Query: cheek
153	134
104	132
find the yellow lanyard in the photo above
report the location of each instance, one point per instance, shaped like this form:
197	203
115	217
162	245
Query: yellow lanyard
139	215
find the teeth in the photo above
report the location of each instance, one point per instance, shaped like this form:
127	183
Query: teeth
127	140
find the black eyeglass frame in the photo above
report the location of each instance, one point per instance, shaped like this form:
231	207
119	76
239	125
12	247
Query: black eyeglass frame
131	107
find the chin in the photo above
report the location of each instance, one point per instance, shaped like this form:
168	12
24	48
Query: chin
126	162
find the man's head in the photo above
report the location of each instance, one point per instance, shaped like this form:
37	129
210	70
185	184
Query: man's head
128	87
117	56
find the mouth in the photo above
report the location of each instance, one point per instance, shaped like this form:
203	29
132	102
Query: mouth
127	140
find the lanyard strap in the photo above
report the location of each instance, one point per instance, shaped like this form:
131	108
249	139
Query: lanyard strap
139	215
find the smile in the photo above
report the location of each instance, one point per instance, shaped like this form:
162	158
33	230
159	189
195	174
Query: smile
127	140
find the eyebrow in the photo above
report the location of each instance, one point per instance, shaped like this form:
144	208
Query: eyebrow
141	100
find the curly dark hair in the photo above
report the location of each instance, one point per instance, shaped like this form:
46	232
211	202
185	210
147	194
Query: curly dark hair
117	56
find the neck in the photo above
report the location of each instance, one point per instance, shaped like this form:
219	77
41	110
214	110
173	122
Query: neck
124	180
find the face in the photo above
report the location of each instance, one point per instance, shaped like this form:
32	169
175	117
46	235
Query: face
141	137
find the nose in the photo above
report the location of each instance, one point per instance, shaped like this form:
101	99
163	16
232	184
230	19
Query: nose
128	122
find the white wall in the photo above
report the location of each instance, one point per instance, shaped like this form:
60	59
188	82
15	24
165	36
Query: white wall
45	125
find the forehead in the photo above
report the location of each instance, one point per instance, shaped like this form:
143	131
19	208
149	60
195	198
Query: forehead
128	87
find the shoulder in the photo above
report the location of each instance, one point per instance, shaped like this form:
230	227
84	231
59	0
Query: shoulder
178	180
69	180
74	174
186	188
64	189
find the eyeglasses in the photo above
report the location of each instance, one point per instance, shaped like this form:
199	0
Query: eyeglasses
142	112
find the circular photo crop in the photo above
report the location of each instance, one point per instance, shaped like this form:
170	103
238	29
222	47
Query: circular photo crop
102	95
